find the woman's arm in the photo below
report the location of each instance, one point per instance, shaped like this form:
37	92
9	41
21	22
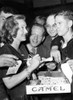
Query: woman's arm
12	81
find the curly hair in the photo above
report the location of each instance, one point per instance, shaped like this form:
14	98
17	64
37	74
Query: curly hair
10	28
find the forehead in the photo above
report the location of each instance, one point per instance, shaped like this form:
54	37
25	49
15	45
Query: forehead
60	18
50	20
37	30
5	14
21	22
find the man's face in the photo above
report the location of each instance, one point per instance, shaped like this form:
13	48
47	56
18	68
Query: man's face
51	26
62	25
36	36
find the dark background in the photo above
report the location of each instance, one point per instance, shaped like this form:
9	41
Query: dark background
32	8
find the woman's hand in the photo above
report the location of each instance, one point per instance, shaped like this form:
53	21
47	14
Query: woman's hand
7	60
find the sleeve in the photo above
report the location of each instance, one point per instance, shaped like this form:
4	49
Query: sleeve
57	41
3	70
70	49
72	85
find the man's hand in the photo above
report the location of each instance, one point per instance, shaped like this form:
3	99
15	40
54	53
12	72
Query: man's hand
70	62
56	55
7	60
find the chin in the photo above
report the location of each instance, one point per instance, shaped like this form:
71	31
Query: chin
59	34
34	45
24	39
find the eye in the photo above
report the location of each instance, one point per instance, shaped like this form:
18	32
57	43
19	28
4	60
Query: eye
59	23
22	27
54	25
47	26
2	18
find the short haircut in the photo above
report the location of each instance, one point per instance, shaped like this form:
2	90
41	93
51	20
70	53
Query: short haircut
68	14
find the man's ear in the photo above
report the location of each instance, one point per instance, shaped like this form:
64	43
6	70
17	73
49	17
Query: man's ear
70	23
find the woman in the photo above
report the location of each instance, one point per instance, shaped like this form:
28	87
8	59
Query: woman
14	32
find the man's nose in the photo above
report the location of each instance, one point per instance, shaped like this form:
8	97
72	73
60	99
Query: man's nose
26	31
36	38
